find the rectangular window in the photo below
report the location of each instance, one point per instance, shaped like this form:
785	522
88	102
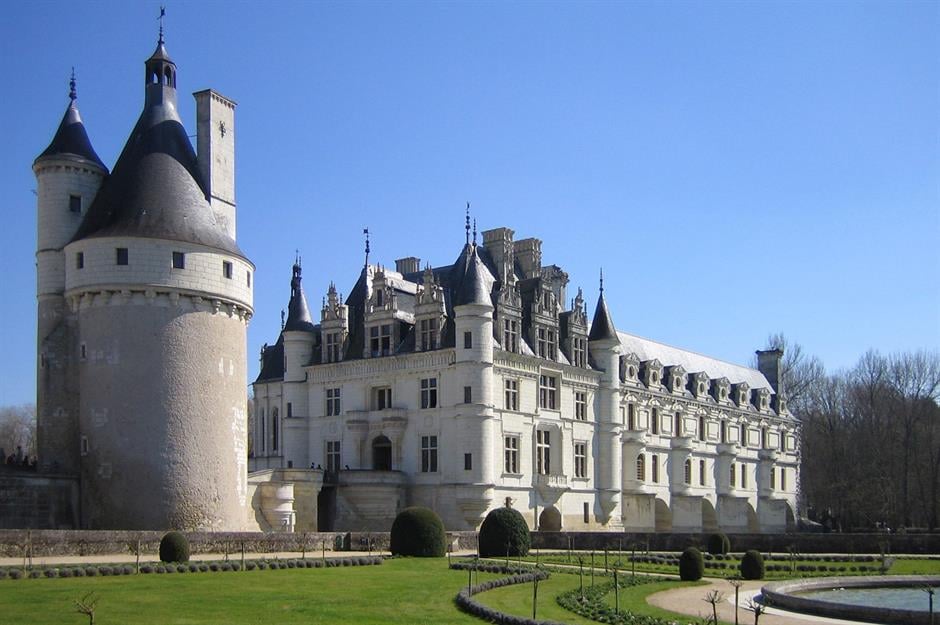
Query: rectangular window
688	472
724	431
511	454
512	394
743	475
468	340
677	426
546	343
580	460
580	406
227	269
783	479
380	340
543	458
701	428
75	204
732	476
548	392
587	512
654	461
179	260
248	279
641	468
332	456
333	345
429	454
121	256
332	402
290	410
578	352
701	473
773	478
83	351
631	416
511	335
429	393
468	462
80	260
467	394
654	421
428	333
84	447
381	398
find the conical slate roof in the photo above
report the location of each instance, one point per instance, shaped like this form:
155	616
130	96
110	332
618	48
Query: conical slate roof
298	315
602	326
71	138
156	189
472	280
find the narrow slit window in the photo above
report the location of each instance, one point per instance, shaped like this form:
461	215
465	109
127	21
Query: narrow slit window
179	260
121	256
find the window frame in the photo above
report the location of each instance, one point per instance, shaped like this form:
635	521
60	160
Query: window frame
548	391
429	452
580	405
122	256
511	454
580	460
511	394
543	452
333	401
428	393
178	260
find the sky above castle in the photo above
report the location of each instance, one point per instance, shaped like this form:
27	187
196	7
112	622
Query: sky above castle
737	169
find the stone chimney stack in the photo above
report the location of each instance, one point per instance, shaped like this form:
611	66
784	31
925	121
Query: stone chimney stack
408	265
529	254
215	148
769	363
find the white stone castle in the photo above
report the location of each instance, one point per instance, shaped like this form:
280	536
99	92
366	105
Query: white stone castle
144	297
471	386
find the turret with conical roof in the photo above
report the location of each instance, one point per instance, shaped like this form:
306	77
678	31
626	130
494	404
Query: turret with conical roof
68	175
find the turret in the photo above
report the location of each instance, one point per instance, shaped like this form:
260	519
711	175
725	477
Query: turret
68	175
604	347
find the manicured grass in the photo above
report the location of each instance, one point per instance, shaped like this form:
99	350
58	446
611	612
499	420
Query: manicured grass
406	591
915	566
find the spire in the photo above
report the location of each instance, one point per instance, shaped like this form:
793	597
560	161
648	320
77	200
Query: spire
602	327
474	282
71	138
162	15
474	233
467	226
365	231
298	315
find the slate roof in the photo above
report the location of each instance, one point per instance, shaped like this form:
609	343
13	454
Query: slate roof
71	138
298	314
602	326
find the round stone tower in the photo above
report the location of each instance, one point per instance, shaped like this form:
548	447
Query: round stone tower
162	296
68	174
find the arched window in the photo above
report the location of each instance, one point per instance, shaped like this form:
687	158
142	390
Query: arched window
168	77
688	471
381	453
641	468
274	429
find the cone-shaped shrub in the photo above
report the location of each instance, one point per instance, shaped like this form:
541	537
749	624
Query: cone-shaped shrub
691	565
718	544
418	532
752	565
174	547
504	531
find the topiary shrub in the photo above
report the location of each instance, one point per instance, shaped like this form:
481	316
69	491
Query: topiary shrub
174	547
752	565
718	544
418	532
691	565
504	532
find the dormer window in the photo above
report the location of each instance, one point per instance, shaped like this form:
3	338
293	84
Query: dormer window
334	346
654	377
380	340
546	344
578	352
428	330
511	335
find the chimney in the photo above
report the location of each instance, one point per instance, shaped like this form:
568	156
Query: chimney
768	363
215	149
408	265
498	242
529	254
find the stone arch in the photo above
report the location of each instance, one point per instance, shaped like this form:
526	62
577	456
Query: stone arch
381	453
663	516
709	517
791	518
550	520
753	523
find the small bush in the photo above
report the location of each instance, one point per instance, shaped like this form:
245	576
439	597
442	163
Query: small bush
16	574
3	573
203	567
159	569
418	532
78	572
64	573
104	571
34	574
752	565
250	566
262	565
236	566
504	532
691	565
174	547
225	566
91	571
193	567
718	544
51	573
181	568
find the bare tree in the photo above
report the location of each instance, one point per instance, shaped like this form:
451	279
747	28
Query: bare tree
714	597
18	429
87	605
756	608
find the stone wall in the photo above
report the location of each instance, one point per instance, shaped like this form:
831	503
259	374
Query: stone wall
37	501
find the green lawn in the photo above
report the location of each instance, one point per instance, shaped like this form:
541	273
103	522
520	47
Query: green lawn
406	591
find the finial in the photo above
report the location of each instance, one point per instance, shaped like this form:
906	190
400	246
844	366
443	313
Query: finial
365	231
602	279
72	92
297	257
282	318
474	232
467	226
162	15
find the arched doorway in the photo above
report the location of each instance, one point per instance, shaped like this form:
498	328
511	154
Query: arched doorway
753	524
709	517
381	454
791	519
663	516
550	520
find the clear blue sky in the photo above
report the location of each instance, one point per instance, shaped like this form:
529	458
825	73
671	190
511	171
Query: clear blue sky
736	168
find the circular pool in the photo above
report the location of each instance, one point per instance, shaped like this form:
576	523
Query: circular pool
886	599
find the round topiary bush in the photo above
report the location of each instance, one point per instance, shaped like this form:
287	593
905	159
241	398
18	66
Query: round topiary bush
504	532
418	532
718	544
174	547
691	565
752	565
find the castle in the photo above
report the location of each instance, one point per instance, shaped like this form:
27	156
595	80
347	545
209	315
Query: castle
144	297
479	384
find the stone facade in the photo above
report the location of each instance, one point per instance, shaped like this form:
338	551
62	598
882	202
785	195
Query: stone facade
144	298
480	384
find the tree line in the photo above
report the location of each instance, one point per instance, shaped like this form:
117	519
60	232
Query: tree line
870	438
